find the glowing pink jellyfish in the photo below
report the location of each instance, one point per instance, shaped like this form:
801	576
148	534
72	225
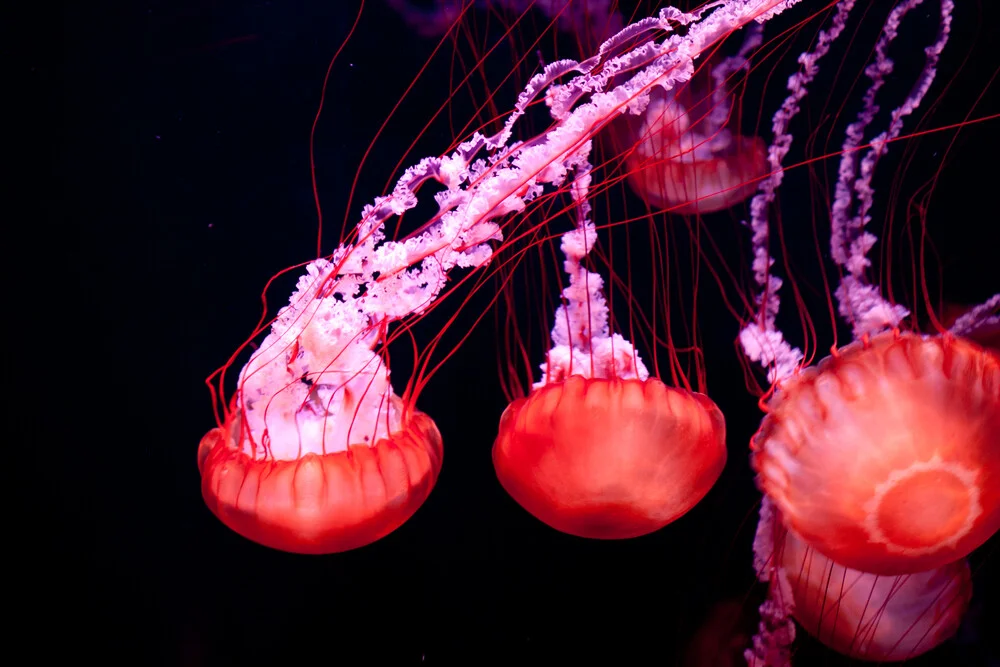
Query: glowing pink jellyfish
867	616
878	460
879	456
600	448
317	454
683	156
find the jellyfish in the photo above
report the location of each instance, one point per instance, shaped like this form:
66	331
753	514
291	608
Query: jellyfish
877	462
593	20
608	458
599	448
868	616
721	637
317	454
881	456
684	152
683	155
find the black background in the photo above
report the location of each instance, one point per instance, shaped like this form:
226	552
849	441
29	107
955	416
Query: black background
182	148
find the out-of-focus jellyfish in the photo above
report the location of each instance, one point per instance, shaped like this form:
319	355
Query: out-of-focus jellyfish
592	20
721	639
880	460
867	616
684	153
684	157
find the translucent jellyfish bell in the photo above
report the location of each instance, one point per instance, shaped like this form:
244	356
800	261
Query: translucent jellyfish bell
882	456
872	617
317	454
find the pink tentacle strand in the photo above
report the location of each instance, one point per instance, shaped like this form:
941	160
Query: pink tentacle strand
343	305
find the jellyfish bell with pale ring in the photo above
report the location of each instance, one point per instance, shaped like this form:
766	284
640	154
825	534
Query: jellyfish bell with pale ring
880	462
885	457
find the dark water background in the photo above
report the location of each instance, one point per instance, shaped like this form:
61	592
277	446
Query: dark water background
183	146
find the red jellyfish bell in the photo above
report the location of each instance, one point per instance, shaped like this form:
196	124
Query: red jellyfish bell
871	617
886	456
317	454
599	449
682	156
609	458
